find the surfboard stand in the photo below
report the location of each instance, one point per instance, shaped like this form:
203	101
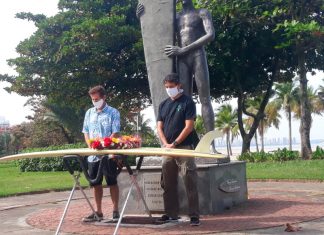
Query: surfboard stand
76	177
139	191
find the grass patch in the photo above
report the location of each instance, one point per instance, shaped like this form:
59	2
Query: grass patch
13	182
298	170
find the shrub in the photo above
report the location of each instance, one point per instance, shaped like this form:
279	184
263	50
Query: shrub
318	153
49	163
255	157
284	154
276	156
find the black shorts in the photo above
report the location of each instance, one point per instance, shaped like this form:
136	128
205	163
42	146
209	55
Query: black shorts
110	176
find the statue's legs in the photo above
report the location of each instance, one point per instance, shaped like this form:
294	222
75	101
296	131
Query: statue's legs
185	75
195	65
201	74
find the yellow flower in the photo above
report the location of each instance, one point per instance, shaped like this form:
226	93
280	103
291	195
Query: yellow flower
115	140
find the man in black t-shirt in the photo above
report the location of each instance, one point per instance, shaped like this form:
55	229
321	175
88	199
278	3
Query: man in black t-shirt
175	127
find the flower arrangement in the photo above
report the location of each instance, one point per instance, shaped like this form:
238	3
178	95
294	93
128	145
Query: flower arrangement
123	142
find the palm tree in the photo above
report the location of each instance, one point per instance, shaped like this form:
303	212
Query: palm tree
286	99
321	93
226	120
141	126
271	118
316	104
199	126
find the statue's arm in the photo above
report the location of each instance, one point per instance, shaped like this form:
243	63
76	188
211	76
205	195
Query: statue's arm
209	29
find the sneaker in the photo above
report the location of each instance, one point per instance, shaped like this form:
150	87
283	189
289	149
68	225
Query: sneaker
115	216
93	217
194	221
167	219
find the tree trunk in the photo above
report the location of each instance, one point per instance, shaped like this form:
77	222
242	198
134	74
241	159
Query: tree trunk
306	118
262	135
289	123
227	143
256	141
246	137
230	145
66	135
246	144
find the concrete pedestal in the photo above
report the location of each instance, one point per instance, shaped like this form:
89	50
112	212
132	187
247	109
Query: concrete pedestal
220	187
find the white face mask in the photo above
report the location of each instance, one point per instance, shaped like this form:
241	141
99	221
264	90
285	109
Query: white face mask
173	92
98	104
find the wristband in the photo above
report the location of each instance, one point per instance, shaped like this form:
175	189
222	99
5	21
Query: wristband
175	143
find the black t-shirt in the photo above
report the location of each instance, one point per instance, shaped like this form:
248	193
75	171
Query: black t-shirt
173	114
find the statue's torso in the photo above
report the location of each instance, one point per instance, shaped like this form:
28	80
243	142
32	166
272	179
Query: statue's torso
189	27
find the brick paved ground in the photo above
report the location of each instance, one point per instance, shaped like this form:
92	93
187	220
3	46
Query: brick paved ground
258	212
270	204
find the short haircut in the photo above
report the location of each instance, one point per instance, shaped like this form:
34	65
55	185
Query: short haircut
98	90
172	78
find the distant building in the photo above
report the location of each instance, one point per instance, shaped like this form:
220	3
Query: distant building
4	124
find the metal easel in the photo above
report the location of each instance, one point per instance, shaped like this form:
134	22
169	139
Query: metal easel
139	191
103	164
76	176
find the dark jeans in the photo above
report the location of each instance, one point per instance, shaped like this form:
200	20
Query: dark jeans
169	183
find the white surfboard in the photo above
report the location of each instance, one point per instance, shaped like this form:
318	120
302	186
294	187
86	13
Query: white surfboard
202	151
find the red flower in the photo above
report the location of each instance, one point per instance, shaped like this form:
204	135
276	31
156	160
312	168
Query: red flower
96	144
124	142
107	142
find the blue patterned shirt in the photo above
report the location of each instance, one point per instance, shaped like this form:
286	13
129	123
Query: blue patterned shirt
101	124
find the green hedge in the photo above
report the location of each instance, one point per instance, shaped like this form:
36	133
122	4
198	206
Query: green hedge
318	153
279	155
49	163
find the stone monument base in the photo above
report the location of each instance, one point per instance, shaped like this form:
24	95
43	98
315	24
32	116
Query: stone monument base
220	187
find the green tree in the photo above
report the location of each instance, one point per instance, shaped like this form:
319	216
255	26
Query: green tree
321	93
85	44
243	60
137	124
302	27
4	142
225	121
20	137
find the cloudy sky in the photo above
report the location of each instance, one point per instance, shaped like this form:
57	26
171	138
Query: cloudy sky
15	30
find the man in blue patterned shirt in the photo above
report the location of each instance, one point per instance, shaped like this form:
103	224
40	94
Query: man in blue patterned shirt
101	121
